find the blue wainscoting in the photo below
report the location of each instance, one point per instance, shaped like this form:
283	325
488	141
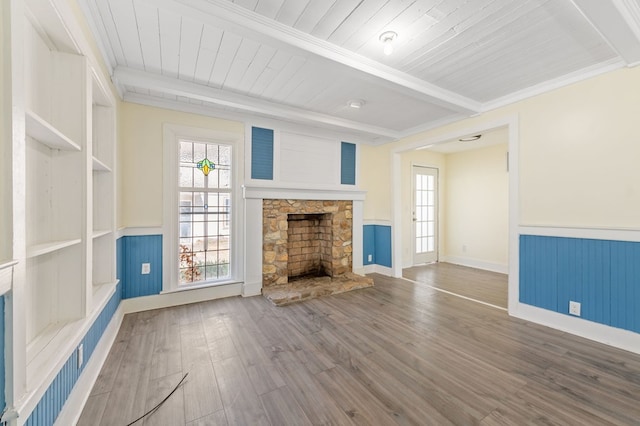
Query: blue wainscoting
132	253
369	244
348	163
261	153
377	243
603	275
3	398
56	395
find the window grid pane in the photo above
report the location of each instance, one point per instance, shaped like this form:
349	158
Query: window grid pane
204	213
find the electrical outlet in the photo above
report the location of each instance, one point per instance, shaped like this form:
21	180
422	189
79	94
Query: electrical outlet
80	355
146	268
574	308
464	248
370	258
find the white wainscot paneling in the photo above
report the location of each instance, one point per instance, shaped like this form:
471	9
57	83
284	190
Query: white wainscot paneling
309	159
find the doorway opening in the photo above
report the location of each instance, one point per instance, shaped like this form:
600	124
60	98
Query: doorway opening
458	253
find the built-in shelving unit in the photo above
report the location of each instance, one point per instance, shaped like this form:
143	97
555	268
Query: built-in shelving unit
55	95
103	192
7	261
68	175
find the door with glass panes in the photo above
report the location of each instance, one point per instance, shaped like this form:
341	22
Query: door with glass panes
425	215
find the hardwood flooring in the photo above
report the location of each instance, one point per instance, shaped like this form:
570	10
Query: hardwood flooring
398	353
484	286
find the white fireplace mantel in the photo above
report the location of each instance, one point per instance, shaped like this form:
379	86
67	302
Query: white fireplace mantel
292	193
253	196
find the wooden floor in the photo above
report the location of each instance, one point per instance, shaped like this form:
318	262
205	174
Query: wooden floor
484	286
398	353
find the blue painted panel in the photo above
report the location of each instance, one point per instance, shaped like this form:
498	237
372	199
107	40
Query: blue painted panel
383	245
377	242
54	398
3	400
261	153
139	250
369	244
348	164
604	276
625	285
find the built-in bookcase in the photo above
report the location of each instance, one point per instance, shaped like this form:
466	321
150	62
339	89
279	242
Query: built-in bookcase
55	161
68	176
6	159
103	193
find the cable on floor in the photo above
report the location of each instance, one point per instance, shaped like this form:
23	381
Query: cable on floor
161	402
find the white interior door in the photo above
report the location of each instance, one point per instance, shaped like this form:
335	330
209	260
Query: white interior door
425	215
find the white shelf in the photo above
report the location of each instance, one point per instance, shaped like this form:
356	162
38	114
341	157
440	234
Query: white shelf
99	166
9	264
49	247
102	292
100	233
6	276
45	133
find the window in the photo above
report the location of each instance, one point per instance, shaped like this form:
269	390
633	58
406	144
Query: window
201	243
205	210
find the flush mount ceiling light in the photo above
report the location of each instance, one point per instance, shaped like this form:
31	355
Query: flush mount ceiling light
356	103
387	38
470	138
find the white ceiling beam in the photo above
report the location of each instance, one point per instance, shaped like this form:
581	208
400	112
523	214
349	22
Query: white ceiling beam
256	119
616	24
145	80
236	19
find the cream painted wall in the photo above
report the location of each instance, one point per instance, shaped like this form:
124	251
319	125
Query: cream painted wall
427	159
476	194
140	148
374	178
578	154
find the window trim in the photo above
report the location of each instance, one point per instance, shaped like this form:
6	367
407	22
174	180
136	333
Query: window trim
172	134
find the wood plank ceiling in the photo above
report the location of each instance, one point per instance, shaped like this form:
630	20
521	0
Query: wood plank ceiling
302	61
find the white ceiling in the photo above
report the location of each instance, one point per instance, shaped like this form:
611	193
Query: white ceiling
301	61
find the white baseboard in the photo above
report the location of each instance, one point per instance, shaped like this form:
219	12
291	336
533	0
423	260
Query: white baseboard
72	409
476	263
252	289
359	271
616	337
166	300
378	269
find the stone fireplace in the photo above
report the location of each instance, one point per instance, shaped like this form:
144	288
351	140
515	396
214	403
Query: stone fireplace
305	238
292	235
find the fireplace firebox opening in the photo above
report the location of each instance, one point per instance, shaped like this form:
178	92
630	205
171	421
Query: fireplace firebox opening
309	245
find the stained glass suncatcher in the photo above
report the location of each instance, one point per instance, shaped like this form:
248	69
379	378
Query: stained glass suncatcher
206	166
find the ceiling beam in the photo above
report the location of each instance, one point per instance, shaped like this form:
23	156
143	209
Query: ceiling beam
616	24
228	16
146	80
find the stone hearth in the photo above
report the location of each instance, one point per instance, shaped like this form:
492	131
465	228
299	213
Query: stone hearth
309	288
320	240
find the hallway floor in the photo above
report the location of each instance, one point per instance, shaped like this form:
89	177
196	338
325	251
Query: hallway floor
477	284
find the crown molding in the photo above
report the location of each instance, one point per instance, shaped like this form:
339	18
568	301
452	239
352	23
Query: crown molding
239	20
557	83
